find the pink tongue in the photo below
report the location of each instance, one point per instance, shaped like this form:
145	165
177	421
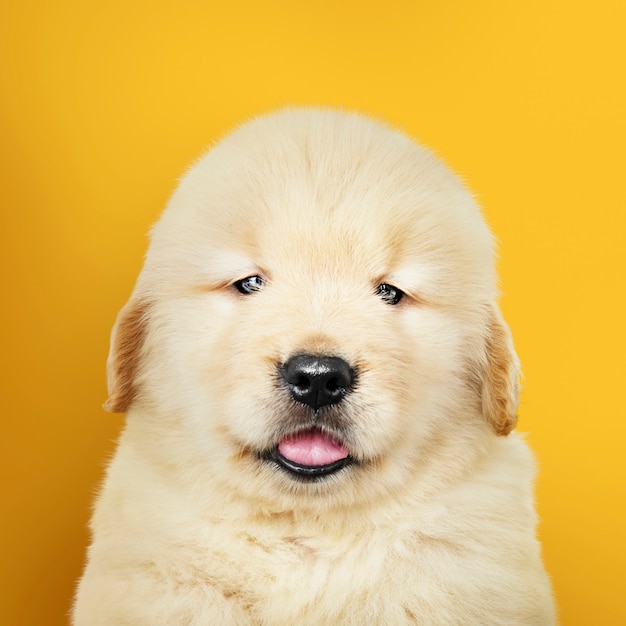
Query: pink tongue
311	448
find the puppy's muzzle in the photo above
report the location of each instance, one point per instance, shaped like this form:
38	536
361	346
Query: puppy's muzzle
317	380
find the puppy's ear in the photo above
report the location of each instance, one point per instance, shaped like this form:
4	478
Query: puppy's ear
501	376
127	339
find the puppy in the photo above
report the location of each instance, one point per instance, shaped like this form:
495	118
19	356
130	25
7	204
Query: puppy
320	396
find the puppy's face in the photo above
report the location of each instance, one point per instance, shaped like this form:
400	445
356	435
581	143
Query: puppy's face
315	315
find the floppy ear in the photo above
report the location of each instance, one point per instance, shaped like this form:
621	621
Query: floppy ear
127	339
500	384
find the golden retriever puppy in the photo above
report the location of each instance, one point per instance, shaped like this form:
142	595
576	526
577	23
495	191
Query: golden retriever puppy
321	394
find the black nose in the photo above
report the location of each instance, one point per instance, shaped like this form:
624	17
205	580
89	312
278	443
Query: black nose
317	380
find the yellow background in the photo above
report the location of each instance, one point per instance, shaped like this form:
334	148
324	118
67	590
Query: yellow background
103	104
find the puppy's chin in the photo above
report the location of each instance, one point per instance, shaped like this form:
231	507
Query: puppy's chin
295	459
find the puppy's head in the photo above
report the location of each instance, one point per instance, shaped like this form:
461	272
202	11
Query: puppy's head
315	319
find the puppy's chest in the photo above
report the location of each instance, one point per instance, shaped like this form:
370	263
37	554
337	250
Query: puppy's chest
296	576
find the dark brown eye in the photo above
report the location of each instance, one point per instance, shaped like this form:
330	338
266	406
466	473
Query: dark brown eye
389	294
249	284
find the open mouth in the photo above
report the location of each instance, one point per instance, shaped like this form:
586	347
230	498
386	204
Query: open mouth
310	454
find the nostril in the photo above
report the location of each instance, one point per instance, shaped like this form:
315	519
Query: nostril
332	385
302	383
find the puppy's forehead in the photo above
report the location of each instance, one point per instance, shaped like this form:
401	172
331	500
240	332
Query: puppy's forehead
335	187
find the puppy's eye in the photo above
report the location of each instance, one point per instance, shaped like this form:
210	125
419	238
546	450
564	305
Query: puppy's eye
389	294
249	284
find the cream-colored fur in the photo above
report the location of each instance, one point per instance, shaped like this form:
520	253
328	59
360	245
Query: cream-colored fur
434	523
